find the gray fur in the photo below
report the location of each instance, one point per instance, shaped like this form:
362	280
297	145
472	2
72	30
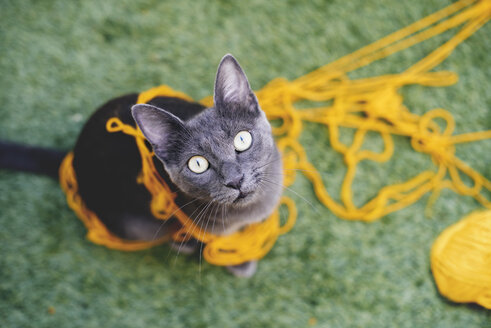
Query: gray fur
255	172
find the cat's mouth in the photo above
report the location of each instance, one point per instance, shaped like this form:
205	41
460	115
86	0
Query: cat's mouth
242	197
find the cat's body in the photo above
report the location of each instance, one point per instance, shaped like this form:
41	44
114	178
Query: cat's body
107	166
241	183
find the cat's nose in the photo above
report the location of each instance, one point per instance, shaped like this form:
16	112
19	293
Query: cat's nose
235	182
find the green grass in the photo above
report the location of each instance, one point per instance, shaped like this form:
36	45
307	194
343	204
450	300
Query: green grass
60	59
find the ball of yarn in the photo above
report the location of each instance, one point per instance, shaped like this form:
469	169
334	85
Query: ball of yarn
461	260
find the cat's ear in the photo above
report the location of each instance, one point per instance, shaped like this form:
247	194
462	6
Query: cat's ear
160	127
232	86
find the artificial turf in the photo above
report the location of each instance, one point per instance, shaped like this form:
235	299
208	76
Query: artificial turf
59	60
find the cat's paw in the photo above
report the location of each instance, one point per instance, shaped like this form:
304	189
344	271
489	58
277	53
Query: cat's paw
187	247
244	270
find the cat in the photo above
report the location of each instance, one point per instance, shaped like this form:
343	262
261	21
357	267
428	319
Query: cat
221	161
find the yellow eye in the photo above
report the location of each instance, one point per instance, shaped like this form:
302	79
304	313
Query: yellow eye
242	141
198	164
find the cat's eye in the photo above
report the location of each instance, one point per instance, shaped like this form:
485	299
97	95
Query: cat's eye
242	141
198	164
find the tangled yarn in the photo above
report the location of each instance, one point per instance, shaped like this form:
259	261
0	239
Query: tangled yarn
366	105
374	105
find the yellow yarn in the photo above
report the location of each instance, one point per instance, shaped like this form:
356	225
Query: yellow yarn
374	104
368	104
461	260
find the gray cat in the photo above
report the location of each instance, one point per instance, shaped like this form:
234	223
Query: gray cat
221	162
224	156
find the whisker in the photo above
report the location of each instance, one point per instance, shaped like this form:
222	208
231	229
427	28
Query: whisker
293	191
214	218
198	219
302	170
191	232
170	216
201	246
180	245
223	219
201	209
196	225
269	163
271	174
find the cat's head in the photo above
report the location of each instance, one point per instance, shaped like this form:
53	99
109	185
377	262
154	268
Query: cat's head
225	154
